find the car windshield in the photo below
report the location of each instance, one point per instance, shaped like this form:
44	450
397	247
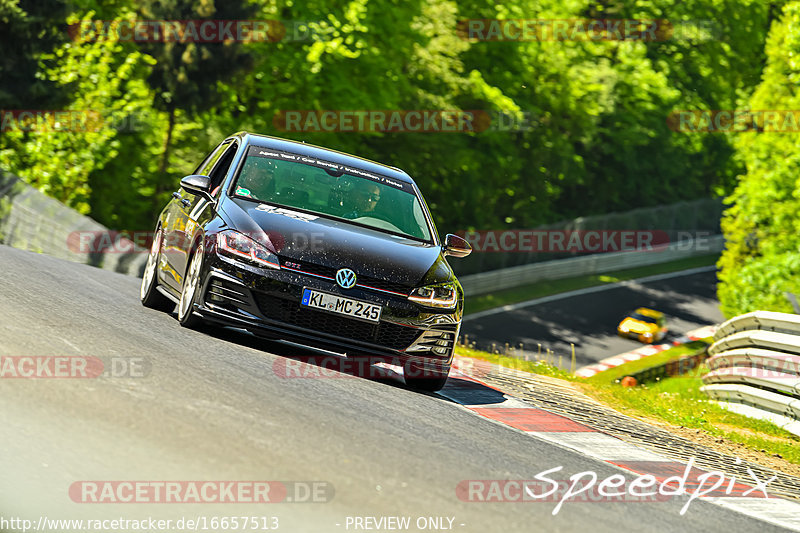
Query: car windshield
332	190
643	318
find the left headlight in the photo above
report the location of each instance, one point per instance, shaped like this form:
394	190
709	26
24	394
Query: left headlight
234	244
443	296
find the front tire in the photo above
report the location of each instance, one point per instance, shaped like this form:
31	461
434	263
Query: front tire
148	292
191	288
428	377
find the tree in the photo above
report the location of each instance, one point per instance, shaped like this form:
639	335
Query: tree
187	72
29	28
762	257
104	84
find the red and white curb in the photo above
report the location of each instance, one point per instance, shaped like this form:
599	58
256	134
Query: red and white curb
644	351
482	399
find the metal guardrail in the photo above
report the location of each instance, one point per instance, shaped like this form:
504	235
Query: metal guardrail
32	221
509	278
779	342
699	218
755	367
778	381
758	398
760	320
755	357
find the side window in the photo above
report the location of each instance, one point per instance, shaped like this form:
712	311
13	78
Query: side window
209	161
219	172
209	164
204	168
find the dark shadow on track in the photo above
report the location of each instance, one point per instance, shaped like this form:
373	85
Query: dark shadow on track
297	361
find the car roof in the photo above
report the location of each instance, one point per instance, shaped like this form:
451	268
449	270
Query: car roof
649	312
334	156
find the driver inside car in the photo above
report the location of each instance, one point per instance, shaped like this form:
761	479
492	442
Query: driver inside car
258	181
365	198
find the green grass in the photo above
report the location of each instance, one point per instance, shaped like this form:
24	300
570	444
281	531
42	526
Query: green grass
473	304
5	209
676	400
613	374
534	367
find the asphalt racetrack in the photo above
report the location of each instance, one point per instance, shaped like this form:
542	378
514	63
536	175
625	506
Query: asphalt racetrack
210	406
589	318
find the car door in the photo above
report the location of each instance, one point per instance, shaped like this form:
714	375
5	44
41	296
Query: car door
174	225
191	207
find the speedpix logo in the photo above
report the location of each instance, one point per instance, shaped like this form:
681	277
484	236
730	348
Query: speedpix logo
588	487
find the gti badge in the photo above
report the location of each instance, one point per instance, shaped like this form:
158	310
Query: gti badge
346	278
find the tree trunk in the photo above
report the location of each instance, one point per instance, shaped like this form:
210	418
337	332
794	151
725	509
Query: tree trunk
162	166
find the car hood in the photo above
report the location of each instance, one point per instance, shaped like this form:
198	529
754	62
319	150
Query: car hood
304	238
636	326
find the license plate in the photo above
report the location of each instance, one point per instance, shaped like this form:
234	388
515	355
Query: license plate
341	305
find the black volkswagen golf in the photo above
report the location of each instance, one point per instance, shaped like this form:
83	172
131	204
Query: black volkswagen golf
314	246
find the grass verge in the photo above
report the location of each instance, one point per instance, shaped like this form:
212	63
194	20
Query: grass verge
676	400
534	367
618	372
539	289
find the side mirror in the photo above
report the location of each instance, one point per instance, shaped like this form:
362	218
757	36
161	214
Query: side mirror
456	246
197	185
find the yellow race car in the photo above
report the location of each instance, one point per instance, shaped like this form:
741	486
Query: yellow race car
644	325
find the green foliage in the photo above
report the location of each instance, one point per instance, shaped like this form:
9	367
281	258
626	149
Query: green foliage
186	74
762	259
5	209
593	137
58	157
29	28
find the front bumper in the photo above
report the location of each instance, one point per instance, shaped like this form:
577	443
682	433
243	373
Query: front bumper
267	302
641	337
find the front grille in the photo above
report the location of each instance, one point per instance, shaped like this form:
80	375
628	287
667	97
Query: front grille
330	273
391	336
226	294
439	341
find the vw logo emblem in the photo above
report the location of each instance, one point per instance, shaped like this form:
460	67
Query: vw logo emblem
346	278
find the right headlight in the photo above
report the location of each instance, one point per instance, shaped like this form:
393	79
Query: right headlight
239	246
442	296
